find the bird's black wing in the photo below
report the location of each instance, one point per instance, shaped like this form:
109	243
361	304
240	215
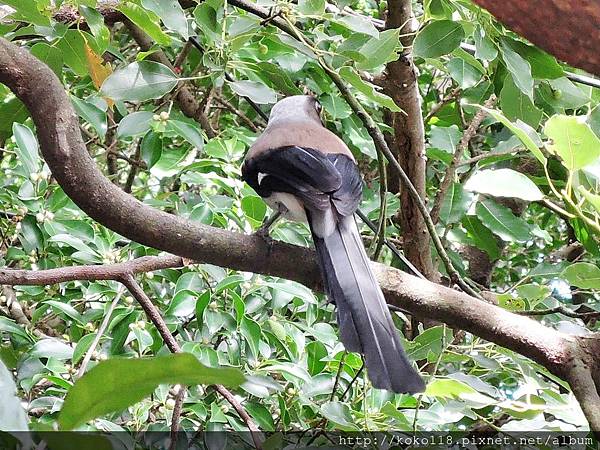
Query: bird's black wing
319	179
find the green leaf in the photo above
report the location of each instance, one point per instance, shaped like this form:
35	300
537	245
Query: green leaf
583	275
464	73
542	64
518	68
113	385
83	345
10	327
71	241
261	414
95	21
380	50
12	415
91	114
171	13
311	7
147	21
572	140
316	351
49	55
251	332
172	161
504	183
593	199
139	81
368	89
438	38
270	72
66	309
516	105
255	91
183	304
448	388
484	47
27	11
51	348
455	204
336	106
339	413
11	111
31	237
254	207
358	24
189	132
27	148
562	93
502	221
152	146
134	124
482	236
72	46
523	136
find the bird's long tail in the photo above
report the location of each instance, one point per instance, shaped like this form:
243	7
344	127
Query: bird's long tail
365	322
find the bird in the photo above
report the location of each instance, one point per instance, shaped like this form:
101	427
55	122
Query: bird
307	173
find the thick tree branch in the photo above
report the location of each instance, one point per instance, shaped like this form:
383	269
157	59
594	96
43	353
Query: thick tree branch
400	83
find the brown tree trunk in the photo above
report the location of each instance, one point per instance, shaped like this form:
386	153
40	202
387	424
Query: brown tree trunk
408	142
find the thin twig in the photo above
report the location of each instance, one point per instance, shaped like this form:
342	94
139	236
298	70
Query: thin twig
237	112
133	170
354	378
99	333
383	187
458	153
560	309
176	416
435	108
339	373
475	159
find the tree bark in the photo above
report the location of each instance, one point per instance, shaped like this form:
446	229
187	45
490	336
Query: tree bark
408	142
568	29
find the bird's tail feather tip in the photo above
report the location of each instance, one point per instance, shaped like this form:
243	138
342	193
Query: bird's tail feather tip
407	381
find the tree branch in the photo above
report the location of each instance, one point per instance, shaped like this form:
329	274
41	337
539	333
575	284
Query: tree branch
443	102
577	20
400	83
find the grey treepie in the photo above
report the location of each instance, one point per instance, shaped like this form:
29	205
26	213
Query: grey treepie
308	174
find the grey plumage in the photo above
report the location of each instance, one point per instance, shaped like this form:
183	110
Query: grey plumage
365	322
301	167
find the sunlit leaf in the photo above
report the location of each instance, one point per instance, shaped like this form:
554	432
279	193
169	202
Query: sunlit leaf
572	140
504	183
139	81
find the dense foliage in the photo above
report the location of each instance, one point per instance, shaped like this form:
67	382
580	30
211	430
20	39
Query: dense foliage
521	217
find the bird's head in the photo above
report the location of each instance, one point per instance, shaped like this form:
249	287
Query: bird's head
296	108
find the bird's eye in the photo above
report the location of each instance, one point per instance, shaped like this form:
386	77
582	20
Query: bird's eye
318	107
